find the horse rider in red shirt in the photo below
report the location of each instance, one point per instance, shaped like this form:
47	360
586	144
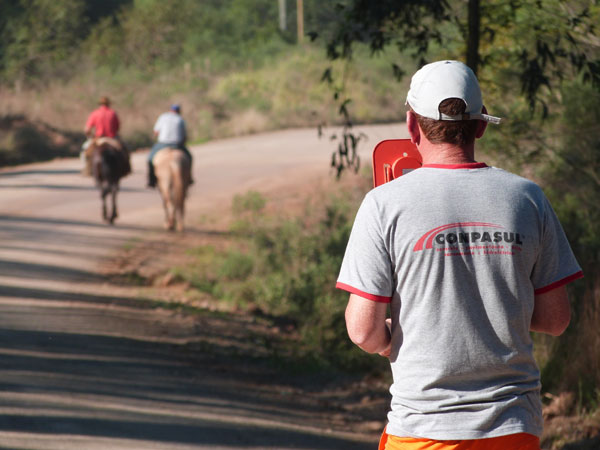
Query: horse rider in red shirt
103	123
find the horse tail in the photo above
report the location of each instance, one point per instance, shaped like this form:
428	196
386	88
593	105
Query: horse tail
99	164
111	165
97	169
177	183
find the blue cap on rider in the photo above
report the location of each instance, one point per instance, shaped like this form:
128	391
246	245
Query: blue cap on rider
175	107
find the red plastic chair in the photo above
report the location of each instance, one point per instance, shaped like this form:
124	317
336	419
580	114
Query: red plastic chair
393	158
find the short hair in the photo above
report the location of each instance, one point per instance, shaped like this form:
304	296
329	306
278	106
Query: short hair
457	132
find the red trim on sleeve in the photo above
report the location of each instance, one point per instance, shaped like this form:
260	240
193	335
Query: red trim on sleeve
353	290
559	283
475	165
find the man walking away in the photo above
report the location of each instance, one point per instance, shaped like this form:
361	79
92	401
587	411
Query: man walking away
470	259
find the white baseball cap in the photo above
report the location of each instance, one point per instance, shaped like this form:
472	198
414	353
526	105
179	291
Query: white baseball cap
438	81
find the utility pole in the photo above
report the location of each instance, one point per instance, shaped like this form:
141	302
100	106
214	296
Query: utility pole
282	16
300	19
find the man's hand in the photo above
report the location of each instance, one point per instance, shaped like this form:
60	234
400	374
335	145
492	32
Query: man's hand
386	353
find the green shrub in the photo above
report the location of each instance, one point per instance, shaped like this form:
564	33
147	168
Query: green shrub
252	202
236	266
287	268
570	179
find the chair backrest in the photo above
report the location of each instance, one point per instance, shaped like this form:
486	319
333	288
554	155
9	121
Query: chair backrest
393	158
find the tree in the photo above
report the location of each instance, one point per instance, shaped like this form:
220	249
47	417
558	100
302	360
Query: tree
537	43
572	171
42	33
9	10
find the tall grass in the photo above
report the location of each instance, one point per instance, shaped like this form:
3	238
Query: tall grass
279	92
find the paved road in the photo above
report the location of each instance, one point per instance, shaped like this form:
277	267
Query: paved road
88	366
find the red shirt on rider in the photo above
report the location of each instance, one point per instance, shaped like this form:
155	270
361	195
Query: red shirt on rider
104	120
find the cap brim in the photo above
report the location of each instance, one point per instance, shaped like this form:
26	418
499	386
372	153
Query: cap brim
487	118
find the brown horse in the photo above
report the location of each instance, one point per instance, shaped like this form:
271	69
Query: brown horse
173	172
109	165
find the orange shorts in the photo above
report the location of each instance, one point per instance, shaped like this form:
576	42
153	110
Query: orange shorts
520	441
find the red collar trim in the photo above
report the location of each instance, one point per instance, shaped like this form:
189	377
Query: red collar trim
475	165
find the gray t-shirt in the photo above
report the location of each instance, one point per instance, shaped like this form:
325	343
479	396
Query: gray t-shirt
459	251
170	128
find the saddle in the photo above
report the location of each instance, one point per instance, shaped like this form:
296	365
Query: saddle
112	143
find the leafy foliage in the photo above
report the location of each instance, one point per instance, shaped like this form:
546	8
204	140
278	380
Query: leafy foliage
573	186
550	39
407	24
526	48
42	37
43	33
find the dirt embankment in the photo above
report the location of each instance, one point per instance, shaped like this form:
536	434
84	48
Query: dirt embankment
25	141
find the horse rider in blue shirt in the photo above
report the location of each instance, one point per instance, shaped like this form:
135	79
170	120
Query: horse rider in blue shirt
170	131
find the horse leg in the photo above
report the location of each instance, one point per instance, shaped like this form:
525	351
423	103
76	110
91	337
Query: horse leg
179	218
169	214
166	199
114	214
180	209
103	193
178	192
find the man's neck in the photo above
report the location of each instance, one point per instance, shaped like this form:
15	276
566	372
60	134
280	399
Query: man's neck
446	153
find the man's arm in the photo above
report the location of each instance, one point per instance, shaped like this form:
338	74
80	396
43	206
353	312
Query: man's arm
183	132
551	312
157	126
366	325
90	124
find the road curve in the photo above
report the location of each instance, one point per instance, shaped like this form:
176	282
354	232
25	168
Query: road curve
85	366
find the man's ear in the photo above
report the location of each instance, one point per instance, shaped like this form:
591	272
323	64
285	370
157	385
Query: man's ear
481	125
413	127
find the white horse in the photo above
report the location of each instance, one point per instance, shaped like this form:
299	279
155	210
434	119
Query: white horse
173	173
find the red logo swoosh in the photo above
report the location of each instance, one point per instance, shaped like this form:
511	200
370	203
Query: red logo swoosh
427	238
